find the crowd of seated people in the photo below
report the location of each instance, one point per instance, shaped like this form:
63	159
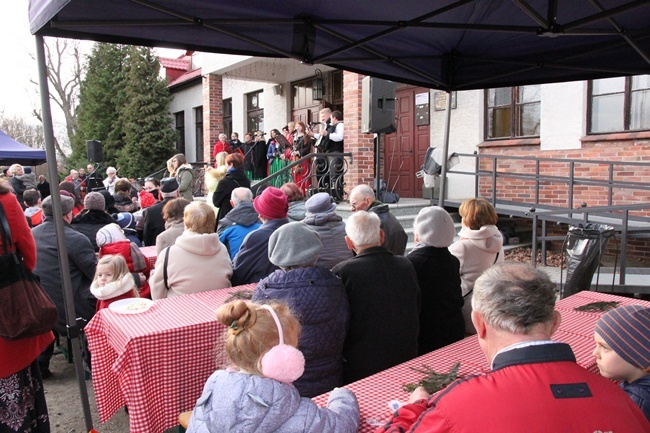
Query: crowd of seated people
346	297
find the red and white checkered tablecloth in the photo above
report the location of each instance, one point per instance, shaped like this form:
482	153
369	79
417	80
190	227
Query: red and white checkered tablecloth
156	362
375	392
150	255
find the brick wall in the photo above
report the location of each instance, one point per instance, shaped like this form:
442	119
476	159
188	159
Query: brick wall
212	113
619	148
361	170
556	192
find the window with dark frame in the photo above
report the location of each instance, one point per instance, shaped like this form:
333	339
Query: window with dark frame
227	117
619	104
513	112
198	132
254	111
180	131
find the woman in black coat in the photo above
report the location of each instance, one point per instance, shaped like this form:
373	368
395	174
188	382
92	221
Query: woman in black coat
438	272
235	178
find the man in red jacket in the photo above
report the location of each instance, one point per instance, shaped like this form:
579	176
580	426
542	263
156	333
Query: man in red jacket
535	383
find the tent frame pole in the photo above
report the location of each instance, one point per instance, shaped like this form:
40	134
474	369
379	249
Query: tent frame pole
445	152
59	228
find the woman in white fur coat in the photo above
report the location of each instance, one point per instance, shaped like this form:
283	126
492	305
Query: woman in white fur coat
197	262
479	247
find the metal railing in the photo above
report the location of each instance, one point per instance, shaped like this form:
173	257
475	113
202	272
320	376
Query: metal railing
614	212
316	172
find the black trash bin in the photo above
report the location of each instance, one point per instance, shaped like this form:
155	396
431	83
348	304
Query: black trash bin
584	246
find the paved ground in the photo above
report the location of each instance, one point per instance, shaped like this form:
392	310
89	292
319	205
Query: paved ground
64	403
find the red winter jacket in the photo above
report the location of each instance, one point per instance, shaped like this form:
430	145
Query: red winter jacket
531	389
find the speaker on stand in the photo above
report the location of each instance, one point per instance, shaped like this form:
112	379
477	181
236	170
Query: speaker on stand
95	154
94	150
377	114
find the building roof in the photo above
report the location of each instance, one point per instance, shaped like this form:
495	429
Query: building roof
183	64
185	77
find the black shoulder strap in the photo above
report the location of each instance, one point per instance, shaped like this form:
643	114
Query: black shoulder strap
7	243
165	268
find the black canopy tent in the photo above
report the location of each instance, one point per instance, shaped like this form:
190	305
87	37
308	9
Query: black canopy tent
444	44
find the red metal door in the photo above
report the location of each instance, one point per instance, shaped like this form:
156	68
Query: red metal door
404	150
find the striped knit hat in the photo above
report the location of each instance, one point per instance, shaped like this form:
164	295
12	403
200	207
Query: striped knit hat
627	331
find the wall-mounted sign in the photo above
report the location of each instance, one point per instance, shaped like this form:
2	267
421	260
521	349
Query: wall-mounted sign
422	109
440	101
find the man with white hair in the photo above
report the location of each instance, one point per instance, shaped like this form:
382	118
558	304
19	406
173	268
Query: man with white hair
362	197
535	383
111	179
239	222
384	299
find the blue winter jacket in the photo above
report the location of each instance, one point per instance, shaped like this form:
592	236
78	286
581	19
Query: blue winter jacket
317	298
234	227
252	263
639	392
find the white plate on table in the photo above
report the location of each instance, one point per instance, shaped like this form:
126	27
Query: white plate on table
131	305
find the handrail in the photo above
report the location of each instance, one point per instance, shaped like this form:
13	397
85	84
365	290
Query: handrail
572	179
260	185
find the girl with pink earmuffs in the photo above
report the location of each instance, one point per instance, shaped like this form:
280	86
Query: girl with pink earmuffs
256	393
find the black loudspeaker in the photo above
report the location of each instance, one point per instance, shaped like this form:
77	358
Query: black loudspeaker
95	151
377	106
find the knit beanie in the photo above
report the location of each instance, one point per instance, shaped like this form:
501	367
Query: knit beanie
146	199
319	203
294	244
95	201
109	234
272	204
626	330
435	227
125	220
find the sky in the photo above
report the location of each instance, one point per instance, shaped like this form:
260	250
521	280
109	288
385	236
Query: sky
18	96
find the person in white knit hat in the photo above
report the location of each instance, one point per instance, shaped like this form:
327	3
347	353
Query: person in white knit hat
441	315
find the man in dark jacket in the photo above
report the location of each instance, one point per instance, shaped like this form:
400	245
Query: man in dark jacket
384	299
535	383
93	218
362	197
252	263
260	164
154	224
239	222
235	178
82	261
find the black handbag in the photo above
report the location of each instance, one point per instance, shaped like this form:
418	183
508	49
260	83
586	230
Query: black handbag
25	309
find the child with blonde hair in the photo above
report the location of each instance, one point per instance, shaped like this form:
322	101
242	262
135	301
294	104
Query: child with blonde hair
213	176
256	393
112	281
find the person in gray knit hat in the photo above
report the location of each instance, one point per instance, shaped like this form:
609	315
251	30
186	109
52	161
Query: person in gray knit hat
317	299
92	218
321	217
95	201
294	245
441	316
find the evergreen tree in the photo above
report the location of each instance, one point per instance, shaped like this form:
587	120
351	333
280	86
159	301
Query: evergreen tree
145	118
100	104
